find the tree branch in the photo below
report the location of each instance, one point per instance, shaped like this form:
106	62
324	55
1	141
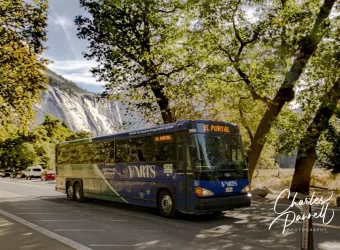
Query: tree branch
167	11
255	96
226	81
142	84
243	119
235	61
237	34
175	70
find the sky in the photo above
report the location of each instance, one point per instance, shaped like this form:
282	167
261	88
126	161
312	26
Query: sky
65	49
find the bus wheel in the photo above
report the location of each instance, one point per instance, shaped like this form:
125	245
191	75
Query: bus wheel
166	204
70	191
78	189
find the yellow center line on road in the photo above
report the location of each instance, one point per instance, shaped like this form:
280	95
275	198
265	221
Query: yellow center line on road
23	184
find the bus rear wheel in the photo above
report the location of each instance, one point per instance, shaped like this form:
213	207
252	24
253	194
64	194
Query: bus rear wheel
70	192
79	195
166	204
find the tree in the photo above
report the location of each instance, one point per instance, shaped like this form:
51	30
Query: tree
22	31
329	149
141	50
328	78
27	155
56	129
266	54
79	135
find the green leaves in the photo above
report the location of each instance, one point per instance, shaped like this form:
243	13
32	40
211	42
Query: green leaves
38	145
21	78
142	50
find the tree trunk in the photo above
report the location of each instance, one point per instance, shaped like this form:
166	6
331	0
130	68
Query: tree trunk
307	149
286	91
162	102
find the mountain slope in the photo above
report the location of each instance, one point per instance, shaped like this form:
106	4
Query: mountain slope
80	109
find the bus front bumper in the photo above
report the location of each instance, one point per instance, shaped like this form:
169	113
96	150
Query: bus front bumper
222	203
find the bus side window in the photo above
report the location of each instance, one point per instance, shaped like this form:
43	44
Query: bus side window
85	154
73	154
181	157
121	151
188	158
111	148
133	154
147	150
166	152
100	152
62	156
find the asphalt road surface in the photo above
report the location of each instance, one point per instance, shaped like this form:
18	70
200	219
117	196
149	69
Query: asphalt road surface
33	205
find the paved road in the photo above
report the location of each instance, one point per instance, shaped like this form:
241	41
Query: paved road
105	225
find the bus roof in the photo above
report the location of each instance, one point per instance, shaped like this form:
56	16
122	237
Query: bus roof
170	127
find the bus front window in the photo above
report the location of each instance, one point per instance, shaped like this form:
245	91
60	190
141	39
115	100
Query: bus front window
220	152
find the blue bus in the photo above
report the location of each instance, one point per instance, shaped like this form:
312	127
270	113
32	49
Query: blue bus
191	166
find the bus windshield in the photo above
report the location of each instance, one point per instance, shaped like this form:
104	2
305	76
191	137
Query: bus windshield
220	152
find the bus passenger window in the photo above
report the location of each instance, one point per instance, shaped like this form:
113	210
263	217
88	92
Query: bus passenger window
133	155
121	151
100	152
111	149
147	149
140	155
181	156
73	155
188	158
165	152
84	154
62	156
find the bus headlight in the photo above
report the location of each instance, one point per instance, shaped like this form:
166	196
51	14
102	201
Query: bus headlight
246	189
202	192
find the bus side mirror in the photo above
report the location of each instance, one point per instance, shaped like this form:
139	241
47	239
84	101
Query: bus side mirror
193	150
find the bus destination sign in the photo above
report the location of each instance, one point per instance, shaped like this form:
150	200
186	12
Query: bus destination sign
214	128
163	138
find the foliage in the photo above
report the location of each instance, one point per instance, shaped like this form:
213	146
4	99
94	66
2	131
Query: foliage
22	31
259	56
329	150
79	135
38	145
63	84
268	156
14	152
142	51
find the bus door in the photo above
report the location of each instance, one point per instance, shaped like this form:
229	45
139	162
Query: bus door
185	180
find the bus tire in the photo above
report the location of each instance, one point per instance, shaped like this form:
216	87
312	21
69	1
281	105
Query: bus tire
70	191
78	192
166	205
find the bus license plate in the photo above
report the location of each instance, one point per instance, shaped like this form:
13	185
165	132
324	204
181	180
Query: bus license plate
229	189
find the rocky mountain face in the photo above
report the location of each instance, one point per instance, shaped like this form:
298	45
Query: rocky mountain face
79	108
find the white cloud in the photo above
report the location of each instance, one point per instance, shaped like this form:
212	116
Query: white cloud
70	65
77	71
63	21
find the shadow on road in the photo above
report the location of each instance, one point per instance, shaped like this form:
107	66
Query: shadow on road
243	226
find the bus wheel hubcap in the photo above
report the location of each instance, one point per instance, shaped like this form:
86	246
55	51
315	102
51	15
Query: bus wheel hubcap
70	191
166	203
78	193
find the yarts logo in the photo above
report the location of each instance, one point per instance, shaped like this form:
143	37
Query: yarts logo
142	171
229	183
